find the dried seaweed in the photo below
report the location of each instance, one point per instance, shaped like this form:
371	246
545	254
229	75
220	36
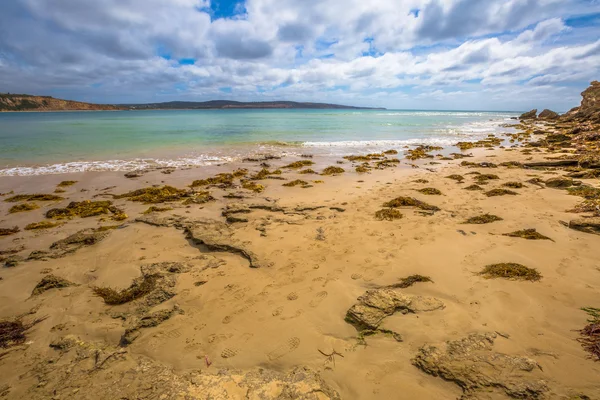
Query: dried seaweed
66	183
34	197
500	192
152	209
49	282
85	209
511	271
473	187
456	177
404	201
139	287
430	191
9	231
590	334
13	332
388	214
299	164
42	225
483	219
409	281
153	195
297	182
529	234
253	186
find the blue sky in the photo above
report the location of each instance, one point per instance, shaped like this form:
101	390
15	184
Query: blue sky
415	54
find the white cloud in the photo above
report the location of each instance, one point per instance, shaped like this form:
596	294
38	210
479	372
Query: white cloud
397	54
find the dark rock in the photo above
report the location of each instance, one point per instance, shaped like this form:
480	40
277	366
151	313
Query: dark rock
529	114
548	114
559	182
587	225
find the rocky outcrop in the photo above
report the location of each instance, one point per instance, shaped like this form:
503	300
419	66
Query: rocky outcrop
375	305
590	105
529	114
587	225
70	244
560	182
25	102
548	114
472	364
79	361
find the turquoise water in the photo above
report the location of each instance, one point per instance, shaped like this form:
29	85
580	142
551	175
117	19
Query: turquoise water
38	143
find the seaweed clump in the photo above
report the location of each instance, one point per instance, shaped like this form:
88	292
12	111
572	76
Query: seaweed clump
253	186
297	182
42	225
299	164
12	332
264	174
473	187
430	191
456	177
388	214
222	180
483	219
139	287
500	192
85	209
421	152
153	195
482	179
34	197
333	171
513	185
403	201
587	192
365	158
50	282
9	231
511	271
590	334
409	281
307	171
592	206
420	180
529	234
196	198
23	207
66	183
361	169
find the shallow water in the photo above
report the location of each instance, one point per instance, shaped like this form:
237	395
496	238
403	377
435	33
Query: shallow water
41	143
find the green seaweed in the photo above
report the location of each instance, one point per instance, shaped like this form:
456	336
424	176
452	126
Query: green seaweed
299	164
34	197
153	195
333	171
85	209
23	207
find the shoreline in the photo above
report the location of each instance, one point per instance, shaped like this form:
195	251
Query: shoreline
304	256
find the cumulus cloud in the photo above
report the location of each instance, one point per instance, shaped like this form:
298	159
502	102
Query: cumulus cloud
381	52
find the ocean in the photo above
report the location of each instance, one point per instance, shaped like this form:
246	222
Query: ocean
51	143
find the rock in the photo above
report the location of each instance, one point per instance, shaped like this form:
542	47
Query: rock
529	114
149	320
377	304
70	244
587	225
559	182
557	138
50	282
135	174
12	261
548	114
301	383
590	105
64	343
473	365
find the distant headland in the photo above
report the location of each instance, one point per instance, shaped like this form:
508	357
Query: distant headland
26	102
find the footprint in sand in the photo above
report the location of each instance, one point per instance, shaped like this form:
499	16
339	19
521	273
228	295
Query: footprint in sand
227	319
277	311
216	338
356	276
228	353
290	345
319	297
292	296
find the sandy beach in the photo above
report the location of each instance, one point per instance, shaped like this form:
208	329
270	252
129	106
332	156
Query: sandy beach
298	292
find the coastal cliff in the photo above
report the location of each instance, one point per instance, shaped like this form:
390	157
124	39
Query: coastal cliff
25	102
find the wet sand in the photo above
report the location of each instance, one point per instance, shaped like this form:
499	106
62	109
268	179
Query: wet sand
318	249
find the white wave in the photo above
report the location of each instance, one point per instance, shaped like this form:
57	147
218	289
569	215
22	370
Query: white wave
112	165
383	143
